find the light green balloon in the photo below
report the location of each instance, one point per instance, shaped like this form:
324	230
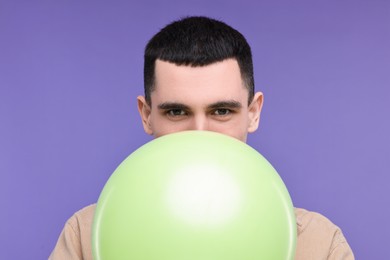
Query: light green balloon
194	195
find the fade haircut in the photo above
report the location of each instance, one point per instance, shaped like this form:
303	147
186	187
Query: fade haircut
196	42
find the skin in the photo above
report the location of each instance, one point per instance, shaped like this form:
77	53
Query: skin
209	98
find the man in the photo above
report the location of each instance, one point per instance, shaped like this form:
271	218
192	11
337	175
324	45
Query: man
198	75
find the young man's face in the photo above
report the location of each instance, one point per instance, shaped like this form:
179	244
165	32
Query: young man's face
211	98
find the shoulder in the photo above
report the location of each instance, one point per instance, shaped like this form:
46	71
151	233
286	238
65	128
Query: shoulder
75	239
85	213
82	217
81	221
309	219
317	235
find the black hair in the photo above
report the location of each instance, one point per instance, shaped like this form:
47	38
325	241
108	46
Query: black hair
198	41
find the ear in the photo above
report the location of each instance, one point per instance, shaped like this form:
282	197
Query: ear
254	112
144	111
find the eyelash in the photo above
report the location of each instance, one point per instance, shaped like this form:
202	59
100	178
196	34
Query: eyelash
172	113
228	111
185	113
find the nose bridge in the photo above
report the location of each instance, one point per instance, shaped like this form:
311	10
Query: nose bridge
200	122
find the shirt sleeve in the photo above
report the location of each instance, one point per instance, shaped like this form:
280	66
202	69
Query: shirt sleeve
75	239
340	249
68	245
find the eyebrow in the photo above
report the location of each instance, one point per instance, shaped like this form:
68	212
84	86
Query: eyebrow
225	104
232	104
172	105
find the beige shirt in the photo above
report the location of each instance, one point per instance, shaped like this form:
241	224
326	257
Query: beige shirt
318	238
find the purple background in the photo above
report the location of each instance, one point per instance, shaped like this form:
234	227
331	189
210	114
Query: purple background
70	72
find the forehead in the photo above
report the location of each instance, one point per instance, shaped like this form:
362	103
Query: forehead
221	80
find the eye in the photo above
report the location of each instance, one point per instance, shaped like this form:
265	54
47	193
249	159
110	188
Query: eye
222	112
176	112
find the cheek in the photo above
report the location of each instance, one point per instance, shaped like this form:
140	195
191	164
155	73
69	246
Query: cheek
236	129
162	126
